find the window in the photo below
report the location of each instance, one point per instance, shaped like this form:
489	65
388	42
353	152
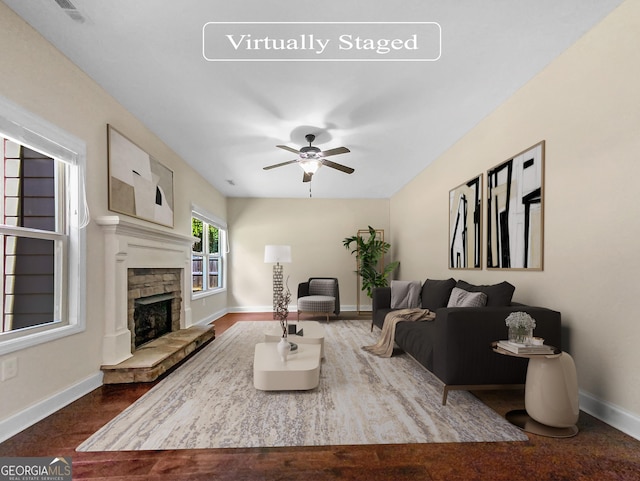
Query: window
208	259
42	212
32	233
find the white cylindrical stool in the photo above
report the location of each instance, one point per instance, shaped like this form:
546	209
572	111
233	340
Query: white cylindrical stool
551	397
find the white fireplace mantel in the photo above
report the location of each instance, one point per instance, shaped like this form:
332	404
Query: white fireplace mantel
129	245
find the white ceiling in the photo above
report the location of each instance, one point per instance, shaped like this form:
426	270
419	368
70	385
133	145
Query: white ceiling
225	118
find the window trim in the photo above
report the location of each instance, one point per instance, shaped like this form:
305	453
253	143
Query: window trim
211	219
28	129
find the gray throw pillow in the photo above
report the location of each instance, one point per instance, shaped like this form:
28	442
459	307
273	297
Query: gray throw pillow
462	298
405	294
497	294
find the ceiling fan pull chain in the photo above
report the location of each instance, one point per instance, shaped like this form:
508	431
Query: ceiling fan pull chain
309	190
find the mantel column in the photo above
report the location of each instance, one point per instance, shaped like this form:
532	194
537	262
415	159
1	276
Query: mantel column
117	337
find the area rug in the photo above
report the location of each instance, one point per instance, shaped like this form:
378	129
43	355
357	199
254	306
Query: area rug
210	402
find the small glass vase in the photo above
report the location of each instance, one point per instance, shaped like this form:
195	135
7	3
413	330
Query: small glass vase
521	335
284	348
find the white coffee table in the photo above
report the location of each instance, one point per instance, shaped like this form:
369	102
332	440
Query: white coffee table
312	333
301	371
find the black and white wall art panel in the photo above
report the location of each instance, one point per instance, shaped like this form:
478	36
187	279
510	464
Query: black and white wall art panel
465	229
515	207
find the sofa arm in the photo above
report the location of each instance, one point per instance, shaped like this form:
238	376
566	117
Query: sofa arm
381	298
462	349
380	305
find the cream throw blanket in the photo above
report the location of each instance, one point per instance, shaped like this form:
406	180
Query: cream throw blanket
384	347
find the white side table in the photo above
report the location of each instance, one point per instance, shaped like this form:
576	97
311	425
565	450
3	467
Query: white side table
551	395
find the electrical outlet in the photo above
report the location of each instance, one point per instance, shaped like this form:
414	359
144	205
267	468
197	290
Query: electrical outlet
9	368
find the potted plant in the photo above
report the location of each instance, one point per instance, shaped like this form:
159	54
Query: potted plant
369	253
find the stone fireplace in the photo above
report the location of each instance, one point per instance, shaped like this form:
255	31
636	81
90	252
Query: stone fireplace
143	266
154	303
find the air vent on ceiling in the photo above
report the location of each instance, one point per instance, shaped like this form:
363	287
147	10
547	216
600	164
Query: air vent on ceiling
71	10
66	4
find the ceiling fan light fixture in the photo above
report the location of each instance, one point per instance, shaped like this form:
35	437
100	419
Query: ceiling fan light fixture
310	166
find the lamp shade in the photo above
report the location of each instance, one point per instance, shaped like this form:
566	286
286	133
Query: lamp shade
310	166
273	254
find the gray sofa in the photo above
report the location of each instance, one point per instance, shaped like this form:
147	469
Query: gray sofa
456	346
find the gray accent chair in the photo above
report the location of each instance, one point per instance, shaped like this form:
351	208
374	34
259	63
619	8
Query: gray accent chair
319	295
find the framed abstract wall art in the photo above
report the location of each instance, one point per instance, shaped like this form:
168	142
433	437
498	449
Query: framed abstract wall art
465	225
515	211
139	185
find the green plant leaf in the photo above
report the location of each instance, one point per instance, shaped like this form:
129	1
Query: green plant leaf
369	252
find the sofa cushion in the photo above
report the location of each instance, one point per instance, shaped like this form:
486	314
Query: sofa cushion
436	293
462	298
316	304
497	294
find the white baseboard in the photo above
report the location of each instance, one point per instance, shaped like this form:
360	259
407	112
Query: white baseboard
363	308
19	422
619	418
268	308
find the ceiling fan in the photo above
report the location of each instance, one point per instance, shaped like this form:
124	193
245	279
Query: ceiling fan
311	158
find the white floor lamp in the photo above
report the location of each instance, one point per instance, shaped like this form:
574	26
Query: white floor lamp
277	255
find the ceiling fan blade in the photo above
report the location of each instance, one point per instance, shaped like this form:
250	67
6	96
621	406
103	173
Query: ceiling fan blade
336	151
307	177
340	167
290	149
280	164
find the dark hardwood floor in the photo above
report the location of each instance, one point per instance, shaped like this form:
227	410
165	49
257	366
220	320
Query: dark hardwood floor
597	453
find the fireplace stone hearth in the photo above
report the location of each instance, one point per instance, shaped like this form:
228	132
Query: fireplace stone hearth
155	358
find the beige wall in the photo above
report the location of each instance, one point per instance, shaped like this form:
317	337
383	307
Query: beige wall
36	76
314	228
585	105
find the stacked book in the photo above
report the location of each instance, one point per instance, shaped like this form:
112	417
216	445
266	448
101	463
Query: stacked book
524	349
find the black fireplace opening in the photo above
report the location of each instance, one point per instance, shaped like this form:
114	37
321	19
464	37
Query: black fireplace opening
152	318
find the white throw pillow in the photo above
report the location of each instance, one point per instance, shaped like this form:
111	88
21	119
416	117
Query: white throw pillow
462	298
